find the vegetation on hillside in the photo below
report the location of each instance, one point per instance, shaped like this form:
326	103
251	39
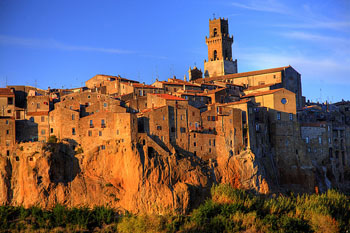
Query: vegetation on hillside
229	210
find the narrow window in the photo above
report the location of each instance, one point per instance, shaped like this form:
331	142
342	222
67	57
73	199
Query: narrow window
43	132
73	131
51	130
100	133
38	105
7	122
307	140
91	124
90	133
42	119
73	117
319	140
291	116
7	131
215	55
278	116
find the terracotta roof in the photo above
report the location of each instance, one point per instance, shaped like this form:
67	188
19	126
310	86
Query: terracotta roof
143	85
150	109
213	91
168	97
243	74
260	86
243	101
6	92
43	113
262	93
179	83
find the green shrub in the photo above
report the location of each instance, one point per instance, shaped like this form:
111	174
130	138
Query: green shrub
52	139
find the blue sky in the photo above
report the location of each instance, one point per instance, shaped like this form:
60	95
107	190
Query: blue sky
64	43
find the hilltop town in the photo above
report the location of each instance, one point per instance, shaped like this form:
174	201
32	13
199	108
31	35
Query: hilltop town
253	130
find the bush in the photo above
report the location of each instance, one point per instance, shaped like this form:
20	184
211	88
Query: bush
52	139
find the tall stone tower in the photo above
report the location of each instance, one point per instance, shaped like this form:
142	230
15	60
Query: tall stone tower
219	50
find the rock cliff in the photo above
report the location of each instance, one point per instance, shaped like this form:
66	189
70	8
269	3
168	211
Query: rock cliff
133	177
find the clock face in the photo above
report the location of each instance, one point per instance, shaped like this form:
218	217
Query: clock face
283	100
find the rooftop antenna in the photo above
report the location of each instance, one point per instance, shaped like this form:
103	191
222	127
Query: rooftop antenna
172	70
157	75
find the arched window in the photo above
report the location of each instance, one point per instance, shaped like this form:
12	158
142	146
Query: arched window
215	55
215	32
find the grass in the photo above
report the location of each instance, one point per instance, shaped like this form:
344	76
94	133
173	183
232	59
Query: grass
229	210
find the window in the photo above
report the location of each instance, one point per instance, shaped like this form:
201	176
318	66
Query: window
194	135
213	118
51	130
215	55
319	140
192	113
90	133
9	111
38	105
43	132
7	131
89	97
42	119
73	131
194	144
215	32
73	117
100	133
209	150
208	118
103	125
181	117
91	124
105	105
7	143
213	142
159	127
196	125
10	101
283	100
291	116
278	116
163	117
183	130
7	122
307	140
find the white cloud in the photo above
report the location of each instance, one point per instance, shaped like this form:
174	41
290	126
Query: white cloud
316	37
265	6
53	44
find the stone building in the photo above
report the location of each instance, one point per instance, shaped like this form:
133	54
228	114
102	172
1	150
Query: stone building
7	135
7	102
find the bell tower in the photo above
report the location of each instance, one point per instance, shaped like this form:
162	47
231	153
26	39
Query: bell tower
219	50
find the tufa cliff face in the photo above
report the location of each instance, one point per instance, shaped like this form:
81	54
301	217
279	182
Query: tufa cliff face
138	177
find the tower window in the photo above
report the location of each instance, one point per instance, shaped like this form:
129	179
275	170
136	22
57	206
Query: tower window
215	32
215	55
